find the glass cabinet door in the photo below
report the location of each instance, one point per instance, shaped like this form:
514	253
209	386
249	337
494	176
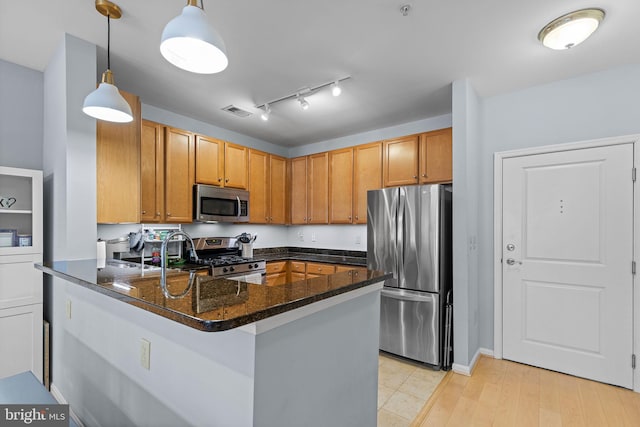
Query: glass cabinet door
20	211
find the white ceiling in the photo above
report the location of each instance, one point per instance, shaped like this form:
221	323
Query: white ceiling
401	67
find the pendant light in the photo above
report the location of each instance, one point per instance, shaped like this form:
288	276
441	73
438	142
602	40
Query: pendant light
106	103
571	29
190	43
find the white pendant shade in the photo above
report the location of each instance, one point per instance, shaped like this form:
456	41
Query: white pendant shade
570	30
190	43
106	103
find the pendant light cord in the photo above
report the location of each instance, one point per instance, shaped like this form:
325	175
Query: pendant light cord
108	42
202	5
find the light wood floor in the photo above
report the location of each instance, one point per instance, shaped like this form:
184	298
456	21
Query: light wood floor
503	393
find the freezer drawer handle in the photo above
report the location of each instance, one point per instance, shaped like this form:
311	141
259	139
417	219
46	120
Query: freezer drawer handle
405	297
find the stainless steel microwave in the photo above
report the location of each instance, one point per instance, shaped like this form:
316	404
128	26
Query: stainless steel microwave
215	204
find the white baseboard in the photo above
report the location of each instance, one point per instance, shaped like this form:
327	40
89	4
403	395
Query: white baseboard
60	398
468	369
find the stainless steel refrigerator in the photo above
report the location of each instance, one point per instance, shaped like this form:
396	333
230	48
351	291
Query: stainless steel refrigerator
409	234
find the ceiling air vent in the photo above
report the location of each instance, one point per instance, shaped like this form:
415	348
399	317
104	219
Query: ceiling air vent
237	111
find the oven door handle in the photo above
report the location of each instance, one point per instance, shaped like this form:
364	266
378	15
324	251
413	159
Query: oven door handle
239	206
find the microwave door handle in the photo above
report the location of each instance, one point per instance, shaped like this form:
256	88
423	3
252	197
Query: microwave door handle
239	206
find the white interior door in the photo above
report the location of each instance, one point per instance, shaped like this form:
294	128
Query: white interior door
567	262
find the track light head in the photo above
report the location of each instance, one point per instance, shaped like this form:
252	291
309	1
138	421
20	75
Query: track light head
336	89
265	114
303	102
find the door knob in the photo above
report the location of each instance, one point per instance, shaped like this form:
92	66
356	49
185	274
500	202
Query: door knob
512	261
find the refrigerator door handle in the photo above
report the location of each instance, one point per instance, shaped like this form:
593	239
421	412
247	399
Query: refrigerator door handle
406	297
400	236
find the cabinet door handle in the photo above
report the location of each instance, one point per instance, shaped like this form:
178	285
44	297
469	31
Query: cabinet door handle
219	179
157	213
356	217
144	212
226	180
415	177
349	217
168	213
424	175
270	218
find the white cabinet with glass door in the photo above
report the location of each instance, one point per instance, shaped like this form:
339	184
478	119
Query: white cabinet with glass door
20	282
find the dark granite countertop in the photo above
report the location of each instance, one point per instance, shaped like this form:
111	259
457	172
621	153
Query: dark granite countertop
329	256
213	304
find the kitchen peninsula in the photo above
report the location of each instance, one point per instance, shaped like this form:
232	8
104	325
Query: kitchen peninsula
227	354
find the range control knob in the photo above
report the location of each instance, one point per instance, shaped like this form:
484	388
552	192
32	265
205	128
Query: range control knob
224	269
250	266
255	265
232	269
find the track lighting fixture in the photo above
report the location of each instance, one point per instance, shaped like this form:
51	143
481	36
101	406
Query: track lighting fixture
303	102
336	90
265	114
571	29
190	43
106	103
301	95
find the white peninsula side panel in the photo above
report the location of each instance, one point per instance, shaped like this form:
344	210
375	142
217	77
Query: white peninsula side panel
317	363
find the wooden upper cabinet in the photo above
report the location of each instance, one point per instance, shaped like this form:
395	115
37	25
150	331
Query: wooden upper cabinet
221	163
179	175
152	172
317	189
299	190
367	175
341	186
118	167
235	166
400	161
436	163
278	200
209	160
258	187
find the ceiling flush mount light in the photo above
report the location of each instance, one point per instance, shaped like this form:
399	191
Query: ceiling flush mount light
106	103
303	102
190	43
265	114
336	90
571	29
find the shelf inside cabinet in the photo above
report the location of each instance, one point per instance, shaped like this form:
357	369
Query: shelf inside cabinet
16	211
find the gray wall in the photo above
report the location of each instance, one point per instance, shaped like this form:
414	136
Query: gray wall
587	107
21	106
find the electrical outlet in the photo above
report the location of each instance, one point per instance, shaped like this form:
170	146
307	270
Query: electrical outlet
68	309
145	354
301	236
313	237
358	239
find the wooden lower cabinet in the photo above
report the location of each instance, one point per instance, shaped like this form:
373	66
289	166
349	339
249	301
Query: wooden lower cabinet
279	272
319	269
276	273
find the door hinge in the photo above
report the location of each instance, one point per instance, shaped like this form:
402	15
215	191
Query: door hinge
633	267
633	361
633	174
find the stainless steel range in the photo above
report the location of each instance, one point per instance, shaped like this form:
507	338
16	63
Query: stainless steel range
222	255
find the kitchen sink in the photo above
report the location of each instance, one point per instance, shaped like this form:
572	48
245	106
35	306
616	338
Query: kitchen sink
129	265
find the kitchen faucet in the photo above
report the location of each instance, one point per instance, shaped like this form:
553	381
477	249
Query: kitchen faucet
163	264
